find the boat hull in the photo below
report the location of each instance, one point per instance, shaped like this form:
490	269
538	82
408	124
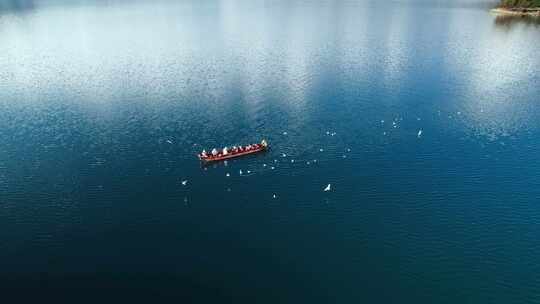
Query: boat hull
231	156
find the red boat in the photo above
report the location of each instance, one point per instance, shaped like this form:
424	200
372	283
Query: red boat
227	153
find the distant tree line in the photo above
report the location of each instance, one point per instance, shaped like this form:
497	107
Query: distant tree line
520	3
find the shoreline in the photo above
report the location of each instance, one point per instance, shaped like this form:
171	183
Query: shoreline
522	12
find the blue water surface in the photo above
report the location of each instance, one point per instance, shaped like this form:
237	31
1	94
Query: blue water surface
422	115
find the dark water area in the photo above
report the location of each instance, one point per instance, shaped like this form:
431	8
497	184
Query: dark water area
104	105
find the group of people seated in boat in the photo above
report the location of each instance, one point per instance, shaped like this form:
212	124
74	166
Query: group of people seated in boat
234	150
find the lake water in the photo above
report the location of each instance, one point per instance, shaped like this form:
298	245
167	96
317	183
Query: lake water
104	105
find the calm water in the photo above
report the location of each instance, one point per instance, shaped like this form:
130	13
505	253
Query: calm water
104	104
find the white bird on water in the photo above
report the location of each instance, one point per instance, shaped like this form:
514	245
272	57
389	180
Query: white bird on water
169	141
328	188
184	182
419	133
227	175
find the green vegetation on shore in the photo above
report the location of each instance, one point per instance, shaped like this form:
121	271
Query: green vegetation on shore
520	3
